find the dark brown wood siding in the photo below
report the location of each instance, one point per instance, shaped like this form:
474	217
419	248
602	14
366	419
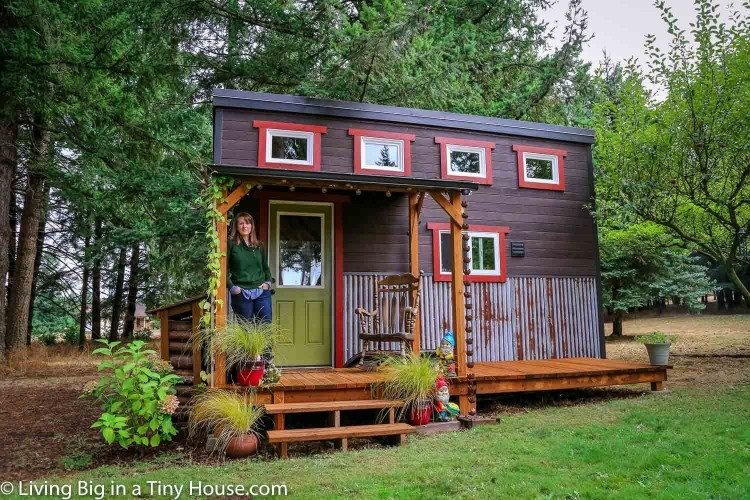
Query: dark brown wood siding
556	227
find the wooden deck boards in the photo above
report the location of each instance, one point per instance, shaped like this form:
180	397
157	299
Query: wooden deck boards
346	384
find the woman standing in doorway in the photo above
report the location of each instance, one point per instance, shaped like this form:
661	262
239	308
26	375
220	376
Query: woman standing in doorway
249	279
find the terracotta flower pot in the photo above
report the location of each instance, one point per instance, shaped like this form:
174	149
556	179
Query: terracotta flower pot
420	415
242	446
251	374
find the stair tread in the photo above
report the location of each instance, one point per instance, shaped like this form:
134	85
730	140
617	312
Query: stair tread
320	406
324	433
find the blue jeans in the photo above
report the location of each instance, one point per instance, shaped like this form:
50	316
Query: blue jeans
253	310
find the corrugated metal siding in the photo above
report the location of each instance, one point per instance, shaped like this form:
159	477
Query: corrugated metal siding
523	318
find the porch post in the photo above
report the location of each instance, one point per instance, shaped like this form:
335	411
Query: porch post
415	207
220	310
457	288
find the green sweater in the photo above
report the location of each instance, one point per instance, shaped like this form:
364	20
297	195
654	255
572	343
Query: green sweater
248	266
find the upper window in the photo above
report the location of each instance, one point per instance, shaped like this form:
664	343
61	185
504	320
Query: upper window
540	168
487	252
465	159
377	152
289	145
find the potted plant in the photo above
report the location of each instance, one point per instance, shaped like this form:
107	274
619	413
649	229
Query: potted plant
657	344
411	379
243	344
231	418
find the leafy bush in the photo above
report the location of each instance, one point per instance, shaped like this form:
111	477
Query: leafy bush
657	337
142	334
137	400
243	341
226	414
70	334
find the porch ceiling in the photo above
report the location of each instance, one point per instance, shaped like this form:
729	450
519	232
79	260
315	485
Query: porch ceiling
279	177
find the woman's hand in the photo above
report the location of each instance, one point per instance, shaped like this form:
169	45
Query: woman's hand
266	286
235	290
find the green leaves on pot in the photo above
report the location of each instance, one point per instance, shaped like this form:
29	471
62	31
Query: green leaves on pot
657	337
243	340
410	379
225	414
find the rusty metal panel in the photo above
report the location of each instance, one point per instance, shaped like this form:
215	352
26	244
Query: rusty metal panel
523	318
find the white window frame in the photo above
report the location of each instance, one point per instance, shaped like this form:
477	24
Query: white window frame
364	140
539	156
466	149
275	132
474	234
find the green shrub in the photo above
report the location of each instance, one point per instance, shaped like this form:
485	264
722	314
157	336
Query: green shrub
48	338
226	414
657	337
410	379
137	400
70	334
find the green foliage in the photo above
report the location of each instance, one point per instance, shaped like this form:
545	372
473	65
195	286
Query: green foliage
642	263
225	414
656	337
133	396
48	338
672	139
243	341
410	379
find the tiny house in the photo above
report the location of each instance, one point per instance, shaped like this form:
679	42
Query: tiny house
491	218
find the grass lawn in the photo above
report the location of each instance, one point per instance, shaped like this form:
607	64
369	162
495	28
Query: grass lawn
687	443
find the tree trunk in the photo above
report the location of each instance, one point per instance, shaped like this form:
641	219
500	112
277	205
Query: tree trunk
23	274
127	331
37	261
84	296
8	161
740	285
617	324
96	280
13	222
114	326
720	299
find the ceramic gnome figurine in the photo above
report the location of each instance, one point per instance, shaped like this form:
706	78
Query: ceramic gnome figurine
444	353
444	409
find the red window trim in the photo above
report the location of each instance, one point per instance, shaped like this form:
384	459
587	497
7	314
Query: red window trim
316	130
359	133
520	149
439	275
450	141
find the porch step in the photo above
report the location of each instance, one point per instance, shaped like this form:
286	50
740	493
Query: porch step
326	433
326	406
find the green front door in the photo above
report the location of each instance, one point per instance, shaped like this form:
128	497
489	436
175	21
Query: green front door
301	257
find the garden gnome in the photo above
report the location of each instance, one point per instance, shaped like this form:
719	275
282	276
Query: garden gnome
445	410
444	353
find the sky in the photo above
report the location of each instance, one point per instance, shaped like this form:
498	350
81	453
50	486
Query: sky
621	26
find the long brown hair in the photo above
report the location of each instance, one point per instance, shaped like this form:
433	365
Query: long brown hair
235	235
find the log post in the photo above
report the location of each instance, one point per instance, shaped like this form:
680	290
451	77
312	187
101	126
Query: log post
220	302
457	287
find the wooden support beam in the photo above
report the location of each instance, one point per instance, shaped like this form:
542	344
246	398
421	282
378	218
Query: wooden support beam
415	207
196	342
234	197
453	211
221	306
279	422
457	288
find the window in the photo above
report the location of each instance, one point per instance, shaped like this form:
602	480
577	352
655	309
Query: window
300	249
487	252
465	159
291	146
540	168
377	152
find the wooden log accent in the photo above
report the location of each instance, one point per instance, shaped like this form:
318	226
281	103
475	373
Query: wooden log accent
415	208
457	289
219	370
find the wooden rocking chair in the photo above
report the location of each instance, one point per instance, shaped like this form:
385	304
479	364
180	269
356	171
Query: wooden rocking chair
394	315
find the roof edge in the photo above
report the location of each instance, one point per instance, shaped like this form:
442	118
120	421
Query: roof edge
228	98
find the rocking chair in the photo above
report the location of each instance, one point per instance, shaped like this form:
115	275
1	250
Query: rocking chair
394	315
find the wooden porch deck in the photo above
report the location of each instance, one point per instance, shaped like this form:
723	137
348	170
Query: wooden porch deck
349	384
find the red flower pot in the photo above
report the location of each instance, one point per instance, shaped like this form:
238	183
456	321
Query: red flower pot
420	415
251	374
242	446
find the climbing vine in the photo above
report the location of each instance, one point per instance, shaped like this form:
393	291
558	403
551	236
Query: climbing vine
212	195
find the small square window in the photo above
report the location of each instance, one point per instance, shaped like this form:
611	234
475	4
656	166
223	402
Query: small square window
382	154
485	253
290	147
540	168
466	161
